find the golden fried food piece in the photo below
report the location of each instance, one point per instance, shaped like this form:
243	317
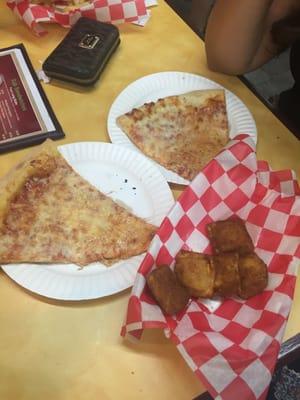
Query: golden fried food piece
227	278
167	291
229	236
253	275
195	272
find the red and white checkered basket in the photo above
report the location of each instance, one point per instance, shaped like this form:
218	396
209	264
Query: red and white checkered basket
111	11
232	345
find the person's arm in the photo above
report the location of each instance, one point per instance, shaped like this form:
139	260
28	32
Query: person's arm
238	37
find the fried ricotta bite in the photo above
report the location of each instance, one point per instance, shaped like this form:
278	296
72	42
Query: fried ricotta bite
253	275
167	291
196	273
229	236
227	278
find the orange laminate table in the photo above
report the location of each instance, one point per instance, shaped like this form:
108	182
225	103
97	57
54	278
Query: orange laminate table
54	350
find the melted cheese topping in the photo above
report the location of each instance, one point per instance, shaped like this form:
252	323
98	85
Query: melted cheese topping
182	133
59	217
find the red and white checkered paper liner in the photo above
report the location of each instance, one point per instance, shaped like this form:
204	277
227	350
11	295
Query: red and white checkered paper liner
232	345
111	11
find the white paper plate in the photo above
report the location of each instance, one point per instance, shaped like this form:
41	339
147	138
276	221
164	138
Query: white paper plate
128	178
155	86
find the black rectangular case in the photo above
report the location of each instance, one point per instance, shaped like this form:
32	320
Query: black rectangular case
83	53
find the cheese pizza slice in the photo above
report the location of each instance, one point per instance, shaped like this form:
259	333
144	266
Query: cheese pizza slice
50	214
182	133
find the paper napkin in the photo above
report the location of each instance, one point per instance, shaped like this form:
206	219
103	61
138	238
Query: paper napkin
111	11
231	344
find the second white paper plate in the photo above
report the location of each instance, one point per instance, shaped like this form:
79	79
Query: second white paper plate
163	84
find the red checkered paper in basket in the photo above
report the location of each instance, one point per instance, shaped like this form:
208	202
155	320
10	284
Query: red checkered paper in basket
231	344
112	11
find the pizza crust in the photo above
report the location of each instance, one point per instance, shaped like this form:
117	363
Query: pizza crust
35	162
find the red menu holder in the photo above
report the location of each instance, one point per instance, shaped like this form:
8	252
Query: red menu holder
26	116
